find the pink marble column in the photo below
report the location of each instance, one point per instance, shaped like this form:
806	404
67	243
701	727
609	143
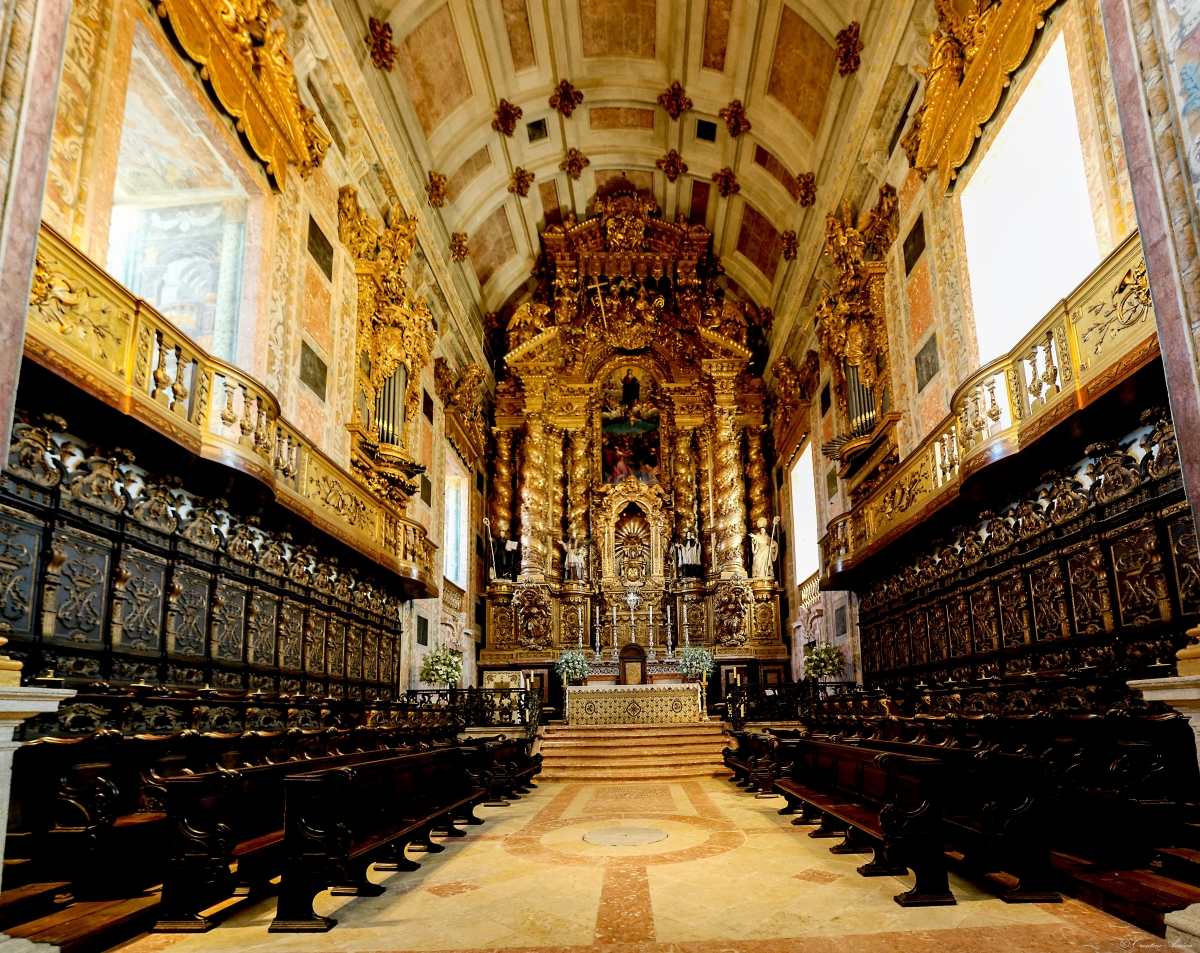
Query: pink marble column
35	34
1168	234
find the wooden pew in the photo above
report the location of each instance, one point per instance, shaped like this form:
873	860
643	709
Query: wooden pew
339	822
994	813
881	801
753	761
223	816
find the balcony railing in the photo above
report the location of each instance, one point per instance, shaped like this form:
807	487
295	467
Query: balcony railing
1097	336
88	328
810	591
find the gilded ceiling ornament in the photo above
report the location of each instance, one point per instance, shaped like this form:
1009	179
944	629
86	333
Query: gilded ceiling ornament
788	240
807	188
436	189
727	183
383	50
880	225
458	246
245	62
972	56
849	46
521	180
672	165
574	163
565	98
507	115
735	118
675	101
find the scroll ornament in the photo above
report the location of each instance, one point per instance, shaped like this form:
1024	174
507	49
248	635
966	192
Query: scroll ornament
247	64
972	57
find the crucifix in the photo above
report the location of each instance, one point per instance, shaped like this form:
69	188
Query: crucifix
599	289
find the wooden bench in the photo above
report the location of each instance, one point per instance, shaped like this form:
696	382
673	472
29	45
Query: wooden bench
753	761
878	801
339	822
993	815
220	817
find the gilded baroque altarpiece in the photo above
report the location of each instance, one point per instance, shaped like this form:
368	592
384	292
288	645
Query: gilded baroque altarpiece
628	458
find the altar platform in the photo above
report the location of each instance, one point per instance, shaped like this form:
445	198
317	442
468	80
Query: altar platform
678	704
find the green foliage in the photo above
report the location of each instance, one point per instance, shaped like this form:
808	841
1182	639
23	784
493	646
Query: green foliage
695	663
572	666
442	666
825	660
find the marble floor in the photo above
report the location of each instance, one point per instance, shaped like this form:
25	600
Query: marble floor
731	875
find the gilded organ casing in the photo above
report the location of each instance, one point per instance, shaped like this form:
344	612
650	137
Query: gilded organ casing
628	454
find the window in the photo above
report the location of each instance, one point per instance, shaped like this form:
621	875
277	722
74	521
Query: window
455	536
805	535
537	130
1027	204
426	490
178	235
706	131
422	630
914	245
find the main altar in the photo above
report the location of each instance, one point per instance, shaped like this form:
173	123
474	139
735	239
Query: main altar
629	469
635	705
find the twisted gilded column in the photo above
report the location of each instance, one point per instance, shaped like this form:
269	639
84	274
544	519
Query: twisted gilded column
533	496
704	491
756	476
502	483
556	485
685	483
728	492
579	487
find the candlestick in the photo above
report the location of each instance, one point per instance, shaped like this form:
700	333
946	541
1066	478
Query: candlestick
632	625
581	628
614	631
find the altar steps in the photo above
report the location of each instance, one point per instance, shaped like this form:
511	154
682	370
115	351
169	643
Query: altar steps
633	753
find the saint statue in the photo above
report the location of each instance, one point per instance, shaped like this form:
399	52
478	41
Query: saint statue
574	558
506	556
765	550
687	557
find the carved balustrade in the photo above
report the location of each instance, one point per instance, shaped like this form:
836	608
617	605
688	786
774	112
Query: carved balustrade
1095	337
85	326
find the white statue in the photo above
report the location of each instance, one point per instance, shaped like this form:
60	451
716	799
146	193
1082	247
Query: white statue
687	557
765	550
574	558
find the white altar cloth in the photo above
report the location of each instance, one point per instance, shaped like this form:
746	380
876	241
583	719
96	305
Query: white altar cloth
634	704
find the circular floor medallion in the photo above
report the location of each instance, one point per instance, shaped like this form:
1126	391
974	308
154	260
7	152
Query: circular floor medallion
625	836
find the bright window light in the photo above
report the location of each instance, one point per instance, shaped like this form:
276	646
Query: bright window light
454	540
805	537
1027	214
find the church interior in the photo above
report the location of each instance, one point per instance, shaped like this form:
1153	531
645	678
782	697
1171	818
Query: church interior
674	476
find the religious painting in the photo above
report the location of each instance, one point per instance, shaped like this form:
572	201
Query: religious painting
630	422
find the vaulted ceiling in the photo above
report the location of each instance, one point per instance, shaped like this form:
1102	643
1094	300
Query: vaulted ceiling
456	60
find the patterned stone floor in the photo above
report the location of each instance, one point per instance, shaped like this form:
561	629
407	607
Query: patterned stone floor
731	875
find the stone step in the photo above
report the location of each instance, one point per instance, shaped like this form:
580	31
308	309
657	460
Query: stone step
635	758
635	773
636	731
607	752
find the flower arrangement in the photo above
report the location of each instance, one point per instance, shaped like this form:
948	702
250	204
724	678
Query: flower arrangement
695	663
442	666
824	660
572	666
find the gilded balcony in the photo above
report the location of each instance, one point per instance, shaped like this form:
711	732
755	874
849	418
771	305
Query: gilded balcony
89	329
1094	338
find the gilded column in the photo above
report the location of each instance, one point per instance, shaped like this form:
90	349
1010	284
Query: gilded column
556	484
579	488
728	492
685	483
502	483
533	502
705	494
756	476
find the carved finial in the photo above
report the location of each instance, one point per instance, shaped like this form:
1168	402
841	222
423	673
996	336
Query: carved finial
565	98
383	51
458	246
727	183
507	115
806	189
675	101
437	189
849	46
672	165
735	118
574	163
521	180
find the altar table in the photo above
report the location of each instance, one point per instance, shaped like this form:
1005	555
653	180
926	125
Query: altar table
634	704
